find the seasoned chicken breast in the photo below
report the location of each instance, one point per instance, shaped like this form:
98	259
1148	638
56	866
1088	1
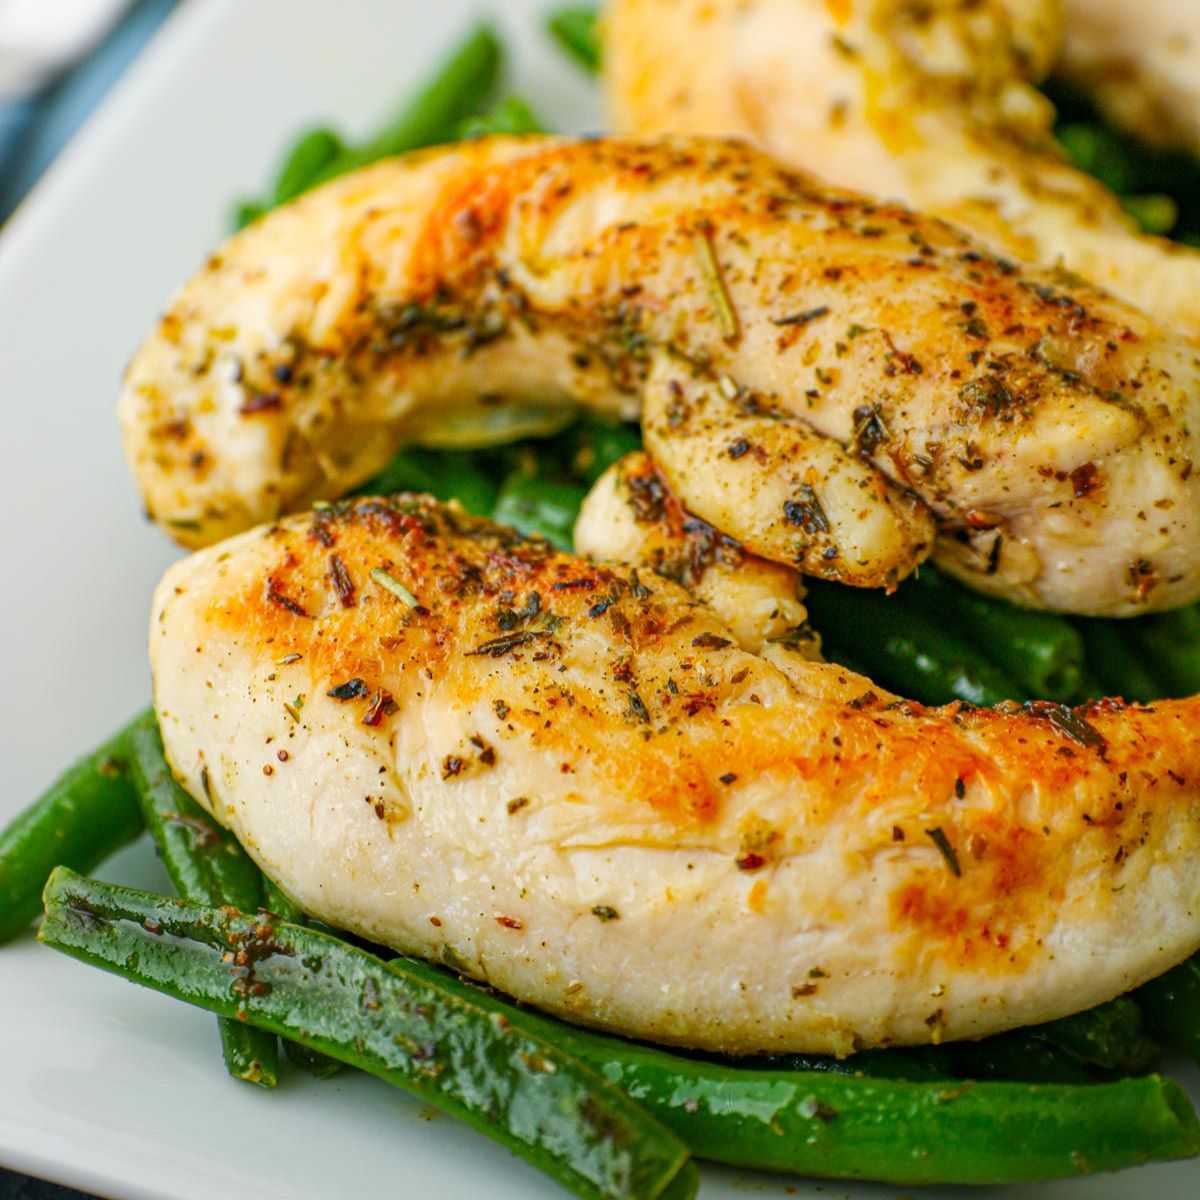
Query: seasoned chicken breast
930	103
1140	60
1048	428
632	517
568	780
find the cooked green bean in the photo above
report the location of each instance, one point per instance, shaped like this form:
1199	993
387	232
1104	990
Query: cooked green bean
1128	166
1109	1039
905	649
1172	1006
1170	645
891	1130
915	1064
207	865
85	815
484	1058
577	31
1041	652
487	1064
1090	688
1154	212
1111	1036
593	444
311	154
1103	1041
1016	1057
1100	152
537	506
204	861
1121	669
447	474
246	212
281	905
511	116
460	89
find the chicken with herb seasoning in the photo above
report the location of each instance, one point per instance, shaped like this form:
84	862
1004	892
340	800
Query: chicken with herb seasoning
888	377
631	516
1140	62
932	103
569	780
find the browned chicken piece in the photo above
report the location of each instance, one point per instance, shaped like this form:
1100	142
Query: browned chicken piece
754	469
568	780
632	517
1140	62
930	103
1048	428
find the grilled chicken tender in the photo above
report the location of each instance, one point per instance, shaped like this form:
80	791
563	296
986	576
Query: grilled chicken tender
631	516
1049	428
931	103
568	780
1140	61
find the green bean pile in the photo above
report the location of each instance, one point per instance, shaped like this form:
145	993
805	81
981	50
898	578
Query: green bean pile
604	1116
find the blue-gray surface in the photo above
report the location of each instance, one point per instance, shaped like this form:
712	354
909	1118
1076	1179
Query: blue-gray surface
20	1187
33	131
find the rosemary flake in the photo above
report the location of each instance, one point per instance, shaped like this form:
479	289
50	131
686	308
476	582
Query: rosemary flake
938	837
714	282
392	584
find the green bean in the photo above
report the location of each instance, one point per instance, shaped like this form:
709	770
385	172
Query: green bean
310	155
246	212
1101	153
1171	1004
801	1121
88	813
1090	688
1015	1057
832	1124
204	861
577	31
207	865
1170	644
541	507
1111	1036
280	904
447	474
1154	212
321	1066
1121	160
403	1021
593	444
1042	652
1106	1040
905	649
459	90
512	116
912	1063
1121	669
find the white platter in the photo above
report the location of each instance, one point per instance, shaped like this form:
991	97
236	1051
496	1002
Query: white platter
103	1085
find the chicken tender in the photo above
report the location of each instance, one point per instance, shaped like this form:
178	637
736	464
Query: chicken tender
1048	429
1140	61
632	517
568	780
931	103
